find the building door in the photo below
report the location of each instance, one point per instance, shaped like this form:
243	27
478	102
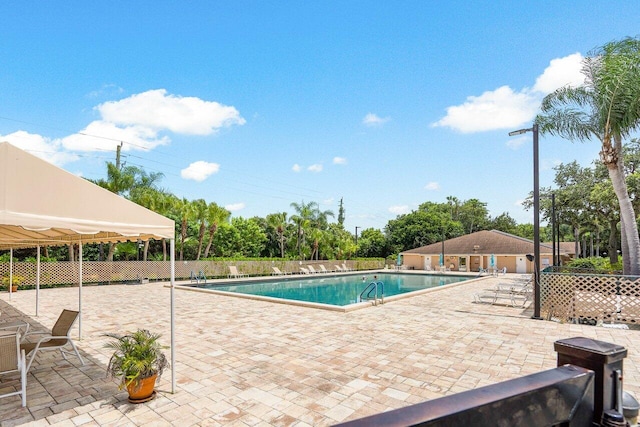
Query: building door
521	264
427	263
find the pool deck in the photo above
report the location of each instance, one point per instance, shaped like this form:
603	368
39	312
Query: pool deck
243	362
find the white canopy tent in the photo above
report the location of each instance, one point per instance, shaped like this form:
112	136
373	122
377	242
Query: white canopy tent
41	204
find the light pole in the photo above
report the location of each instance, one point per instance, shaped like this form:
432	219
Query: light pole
536	218
357	237
553	226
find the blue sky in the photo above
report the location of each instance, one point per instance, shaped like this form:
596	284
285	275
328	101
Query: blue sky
255	104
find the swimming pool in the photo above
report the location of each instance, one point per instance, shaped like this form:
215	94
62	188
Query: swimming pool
340	291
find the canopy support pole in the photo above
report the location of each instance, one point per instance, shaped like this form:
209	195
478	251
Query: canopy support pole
79	291
10	273
38	281
172	257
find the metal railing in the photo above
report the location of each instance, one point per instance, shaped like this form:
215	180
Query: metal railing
375	288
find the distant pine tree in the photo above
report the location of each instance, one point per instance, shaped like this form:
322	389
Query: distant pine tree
341	214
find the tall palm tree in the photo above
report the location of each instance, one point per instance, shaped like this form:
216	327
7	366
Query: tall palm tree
200	210
185	211
305	215
278	222
607	107
215	216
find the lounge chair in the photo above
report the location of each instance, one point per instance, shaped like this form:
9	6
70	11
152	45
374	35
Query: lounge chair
57	339
13	359
324	270
514	293
312	270
338	268
304	270
233	272
278	272
345	268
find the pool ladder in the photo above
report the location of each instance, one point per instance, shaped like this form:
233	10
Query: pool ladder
372	292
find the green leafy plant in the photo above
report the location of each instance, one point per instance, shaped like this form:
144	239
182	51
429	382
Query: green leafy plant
16	280
137	355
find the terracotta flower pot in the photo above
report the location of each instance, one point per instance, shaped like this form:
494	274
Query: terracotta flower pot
140	391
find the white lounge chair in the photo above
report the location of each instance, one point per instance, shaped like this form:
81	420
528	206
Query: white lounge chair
278	272
312	270
345	268
13	359
304	270
233	272
57	339
338	268
324	270
514	293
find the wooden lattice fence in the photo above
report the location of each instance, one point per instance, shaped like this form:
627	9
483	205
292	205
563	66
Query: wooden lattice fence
592	298
63	272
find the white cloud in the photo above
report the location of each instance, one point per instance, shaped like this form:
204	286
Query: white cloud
45	148
296	168
137	121
315	168
234	207
199	171
549	164
107	89
339	161
432	186
328	202
515	143
374	120
504	108
158	110
561	72
399	210
100	135
499	109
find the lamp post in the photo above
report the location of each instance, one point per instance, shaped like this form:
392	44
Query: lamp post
536	218
553	226
357	237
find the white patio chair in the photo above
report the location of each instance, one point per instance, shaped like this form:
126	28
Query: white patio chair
57	339
13	359
324	270
312	270
233	272
278	272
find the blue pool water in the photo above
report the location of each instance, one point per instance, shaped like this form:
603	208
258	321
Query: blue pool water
337	290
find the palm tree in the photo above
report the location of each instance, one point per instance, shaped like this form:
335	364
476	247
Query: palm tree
305	215
215	216
607	107
278	222
185	211
200	210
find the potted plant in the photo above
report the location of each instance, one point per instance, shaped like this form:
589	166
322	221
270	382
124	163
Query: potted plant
138	361
16	280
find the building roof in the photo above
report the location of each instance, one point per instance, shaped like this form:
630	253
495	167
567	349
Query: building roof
488	242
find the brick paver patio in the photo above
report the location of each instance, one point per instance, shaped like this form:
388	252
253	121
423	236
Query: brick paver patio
251	363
